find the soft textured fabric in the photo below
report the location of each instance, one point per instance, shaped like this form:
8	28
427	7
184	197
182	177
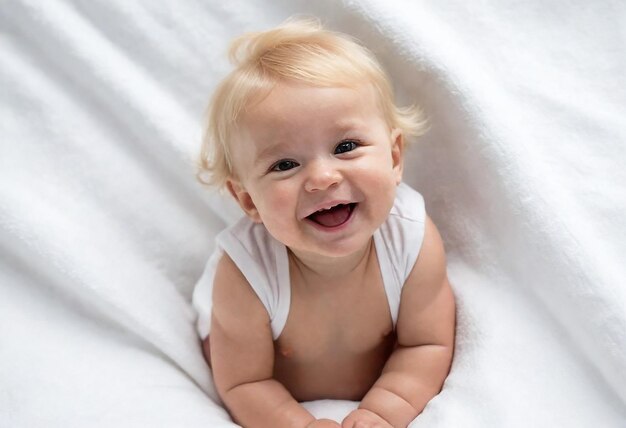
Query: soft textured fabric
104	230
264	263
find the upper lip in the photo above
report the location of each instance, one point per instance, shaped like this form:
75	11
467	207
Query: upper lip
325	206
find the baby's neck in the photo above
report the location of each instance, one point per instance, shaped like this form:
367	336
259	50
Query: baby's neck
331	269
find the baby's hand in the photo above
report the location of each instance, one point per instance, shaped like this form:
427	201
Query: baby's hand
323	423
362	418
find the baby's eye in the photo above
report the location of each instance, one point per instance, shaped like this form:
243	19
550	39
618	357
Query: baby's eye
284	165
346	146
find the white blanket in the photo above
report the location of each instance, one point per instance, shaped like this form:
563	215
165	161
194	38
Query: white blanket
103	230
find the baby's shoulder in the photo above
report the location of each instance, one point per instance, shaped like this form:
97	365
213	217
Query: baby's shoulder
401	235
254	251
234	300
245	233
250	246
408	206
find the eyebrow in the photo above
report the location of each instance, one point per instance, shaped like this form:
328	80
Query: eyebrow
270	152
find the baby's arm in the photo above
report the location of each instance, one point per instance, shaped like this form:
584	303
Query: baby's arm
242	357
416	370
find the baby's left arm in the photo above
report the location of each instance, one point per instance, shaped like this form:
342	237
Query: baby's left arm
416	370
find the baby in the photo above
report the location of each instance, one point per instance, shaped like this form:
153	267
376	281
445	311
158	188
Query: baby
333	285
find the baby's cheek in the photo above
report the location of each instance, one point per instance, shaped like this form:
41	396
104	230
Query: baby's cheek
278	212
268	199
282	203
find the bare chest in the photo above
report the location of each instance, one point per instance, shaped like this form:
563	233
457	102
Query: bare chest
336	342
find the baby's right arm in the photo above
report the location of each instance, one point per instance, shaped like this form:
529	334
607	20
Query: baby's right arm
242	357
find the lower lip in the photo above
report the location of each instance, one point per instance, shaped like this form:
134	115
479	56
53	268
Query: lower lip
335	228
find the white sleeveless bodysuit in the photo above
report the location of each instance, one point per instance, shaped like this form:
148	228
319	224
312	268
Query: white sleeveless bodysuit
264	263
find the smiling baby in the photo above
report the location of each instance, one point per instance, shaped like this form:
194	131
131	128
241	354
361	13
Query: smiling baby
333	285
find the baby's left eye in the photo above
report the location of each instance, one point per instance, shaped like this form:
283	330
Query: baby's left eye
346	146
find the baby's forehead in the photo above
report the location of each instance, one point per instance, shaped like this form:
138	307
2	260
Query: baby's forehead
292	118
292	101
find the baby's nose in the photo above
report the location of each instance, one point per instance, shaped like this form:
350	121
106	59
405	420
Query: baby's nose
321	176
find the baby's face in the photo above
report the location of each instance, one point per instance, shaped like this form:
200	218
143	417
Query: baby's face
318	167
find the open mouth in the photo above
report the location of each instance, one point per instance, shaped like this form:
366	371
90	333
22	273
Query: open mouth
334	216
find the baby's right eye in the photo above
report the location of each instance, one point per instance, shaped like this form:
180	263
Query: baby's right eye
284	165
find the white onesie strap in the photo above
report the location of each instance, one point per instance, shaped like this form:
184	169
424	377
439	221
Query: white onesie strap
284	289
263	262
202	298
398	243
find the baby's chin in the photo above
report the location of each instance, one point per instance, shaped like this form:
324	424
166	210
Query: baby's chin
348	247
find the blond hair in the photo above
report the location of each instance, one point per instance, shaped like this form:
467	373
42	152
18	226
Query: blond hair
298	50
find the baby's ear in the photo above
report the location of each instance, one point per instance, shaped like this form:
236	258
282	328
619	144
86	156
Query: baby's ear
397	153
244	199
